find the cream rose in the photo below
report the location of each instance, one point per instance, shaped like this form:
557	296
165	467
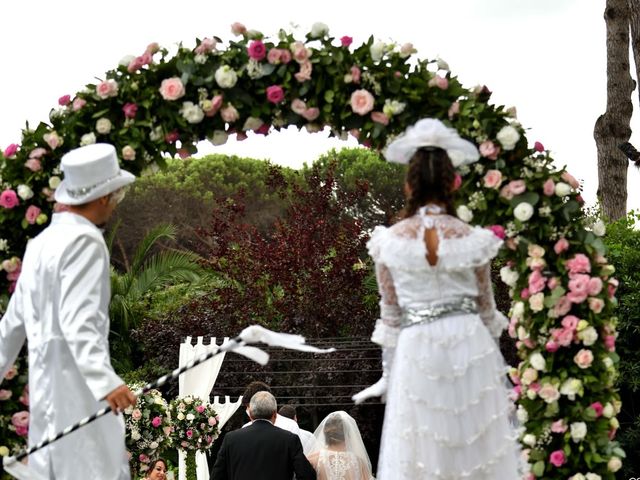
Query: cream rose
537	361
377	51
319	30
584	358
252	123
523	212
529	439
578	431
614	464
24	192
522	415
103	126
508	137
54	182
464	213
599	228
493	179
536	302
192	113
562	189
509	277
588	336
549	393
88	139
529	376
219	137
229	114
128	153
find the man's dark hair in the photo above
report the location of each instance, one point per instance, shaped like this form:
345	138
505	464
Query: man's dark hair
252	389
288	411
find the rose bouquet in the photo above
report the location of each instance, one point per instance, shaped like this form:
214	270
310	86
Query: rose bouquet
14	411
148	429
195	427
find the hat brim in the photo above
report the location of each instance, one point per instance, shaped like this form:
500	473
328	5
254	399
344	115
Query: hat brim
123	179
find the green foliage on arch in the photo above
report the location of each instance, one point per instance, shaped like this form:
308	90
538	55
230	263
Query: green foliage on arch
562	289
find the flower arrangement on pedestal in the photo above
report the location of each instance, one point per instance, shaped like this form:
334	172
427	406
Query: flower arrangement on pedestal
14	410
195	427
148	429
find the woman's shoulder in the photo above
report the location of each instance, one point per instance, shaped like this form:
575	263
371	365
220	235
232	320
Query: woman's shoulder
465	246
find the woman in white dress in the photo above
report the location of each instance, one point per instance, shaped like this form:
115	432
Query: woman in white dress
339	453
447	414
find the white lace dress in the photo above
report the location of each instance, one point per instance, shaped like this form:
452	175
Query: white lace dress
337	465
447	404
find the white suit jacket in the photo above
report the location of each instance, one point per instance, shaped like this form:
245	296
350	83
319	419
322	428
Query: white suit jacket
60	307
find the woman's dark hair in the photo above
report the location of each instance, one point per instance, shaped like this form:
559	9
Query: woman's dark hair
334	431
154	463
430	178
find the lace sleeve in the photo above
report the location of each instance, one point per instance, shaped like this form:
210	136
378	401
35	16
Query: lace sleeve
495	321
388	326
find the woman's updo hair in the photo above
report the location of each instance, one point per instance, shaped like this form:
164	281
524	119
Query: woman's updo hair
334	431
430	178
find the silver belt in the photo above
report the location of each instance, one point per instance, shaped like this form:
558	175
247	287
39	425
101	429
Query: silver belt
437	311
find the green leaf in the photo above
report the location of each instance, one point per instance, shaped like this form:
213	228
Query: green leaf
538	468
529	197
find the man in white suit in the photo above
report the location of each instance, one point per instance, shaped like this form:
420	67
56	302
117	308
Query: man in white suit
60	307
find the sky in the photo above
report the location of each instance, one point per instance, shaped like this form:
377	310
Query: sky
545	57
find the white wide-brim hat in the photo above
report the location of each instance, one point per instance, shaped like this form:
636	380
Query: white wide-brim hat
90	172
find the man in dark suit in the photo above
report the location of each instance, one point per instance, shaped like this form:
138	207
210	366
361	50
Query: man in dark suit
262	451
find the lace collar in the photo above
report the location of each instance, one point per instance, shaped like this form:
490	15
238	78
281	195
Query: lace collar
431	209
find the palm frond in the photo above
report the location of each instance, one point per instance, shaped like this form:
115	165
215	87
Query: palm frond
167	268
159	232
112	235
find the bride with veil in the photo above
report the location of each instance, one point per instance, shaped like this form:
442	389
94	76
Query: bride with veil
339	453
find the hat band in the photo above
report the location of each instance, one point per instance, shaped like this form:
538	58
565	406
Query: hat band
81	192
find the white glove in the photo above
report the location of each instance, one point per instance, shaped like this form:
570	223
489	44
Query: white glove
378	389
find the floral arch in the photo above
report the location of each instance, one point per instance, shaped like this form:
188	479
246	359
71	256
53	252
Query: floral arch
562	313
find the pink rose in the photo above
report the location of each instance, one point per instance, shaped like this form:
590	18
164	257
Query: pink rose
557	458
37	152
300	53
238	29
64	100
200	408
493	179
10	266
20	419
152	48
9	199
11	150
570	322
216	103
78	103
529	343
549	393
24	398
274	56
5	394
457	183
570	179
562	336
561	246
612	286
143	458
33	164
578	285
156	422
106	89
505	192
454	110
172	137
610	342
552	346
212	421
538	147
596	304
584	358
229	114
13	371
553	283
305	72
136	414
311	114
32	214
298	106
362	102
257	50
559	426
595	286
130	110
172	88
275	94
517	186
441	82
489	150
206	45
263	129
498	231
189	433
549	187
537	282
136	64
524	293
380	118
355	74
285	56
597	407
346	41
579	264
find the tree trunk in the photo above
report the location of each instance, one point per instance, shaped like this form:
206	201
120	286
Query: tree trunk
613	128
634	20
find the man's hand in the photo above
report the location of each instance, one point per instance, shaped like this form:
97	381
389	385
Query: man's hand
120	398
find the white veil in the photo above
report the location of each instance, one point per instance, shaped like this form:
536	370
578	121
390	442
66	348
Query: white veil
338	435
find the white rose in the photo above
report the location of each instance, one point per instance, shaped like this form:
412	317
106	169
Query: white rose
219	137
614	423
536	302
319	30
614	464
200	58
226	77
523	211
88	139
537	361
190	417
180	416
531	394
529	439
252	123
599	228
128	153
509	277
608	411
593	476
571	387
24	192
562	189
126	60
103	126
192	112
377	50
153	445
588	336
393	107
464	213
442	65
508	137
54	182
578	476
522	333
518	310
578	431
529	376
522	414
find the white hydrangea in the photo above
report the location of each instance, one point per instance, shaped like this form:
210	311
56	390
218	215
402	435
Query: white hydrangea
593	476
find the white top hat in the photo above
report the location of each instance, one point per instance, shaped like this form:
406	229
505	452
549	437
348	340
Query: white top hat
90	172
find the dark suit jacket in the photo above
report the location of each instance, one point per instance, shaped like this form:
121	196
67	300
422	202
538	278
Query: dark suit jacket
261	451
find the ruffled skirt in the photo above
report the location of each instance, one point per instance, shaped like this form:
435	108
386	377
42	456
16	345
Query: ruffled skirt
447	414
